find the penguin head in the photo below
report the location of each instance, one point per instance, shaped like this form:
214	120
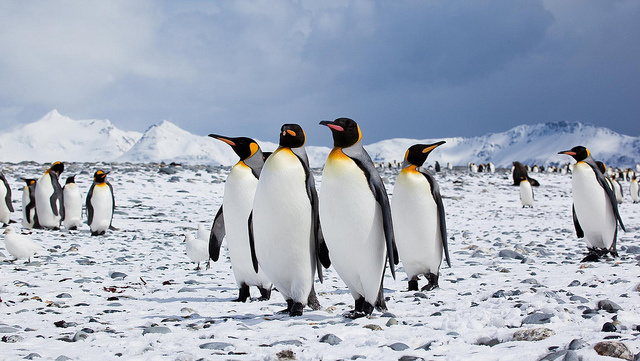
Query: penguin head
100	176
71	179
57	167
579	153
243	146
292	136
601	166
417	154
29	181
345	131
266	155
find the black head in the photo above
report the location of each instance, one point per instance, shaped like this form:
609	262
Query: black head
71	179
292	136
417	154
578	153
100	176
243	146
57	167
345	131
29	181
601	166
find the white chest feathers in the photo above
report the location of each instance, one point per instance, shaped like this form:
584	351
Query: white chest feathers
72	205
101	202
526	193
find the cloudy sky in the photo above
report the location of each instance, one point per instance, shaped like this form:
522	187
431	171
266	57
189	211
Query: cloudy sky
413	69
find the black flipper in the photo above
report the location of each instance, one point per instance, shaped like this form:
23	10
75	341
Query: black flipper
576	224
7	197
113	203
217	235
252	245
435	193
89	206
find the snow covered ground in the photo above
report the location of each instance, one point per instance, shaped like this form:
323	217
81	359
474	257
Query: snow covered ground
134	295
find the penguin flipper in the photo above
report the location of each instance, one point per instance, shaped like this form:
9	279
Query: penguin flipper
113	202
89	206
252	244
52	201
435	193
7	197
607	188
576	224
364	162
217	234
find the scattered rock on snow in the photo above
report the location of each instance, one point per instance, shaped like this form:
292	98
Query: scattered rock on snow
156	329
537	318
613	349
577	344
398	346
534	334
220	346
331	339
609	306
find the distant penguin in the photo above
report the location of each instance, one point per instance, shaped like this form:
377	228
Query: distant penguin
519	171
526	193
419	219
617	190
72	204
356	218
284	231
492	167
634	190
612	182
29	215
437	166
5	200
49	204
233	215
595	210
100	204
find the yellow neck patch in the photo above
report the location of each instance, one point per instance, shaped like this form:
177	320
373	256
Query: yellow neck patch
337	154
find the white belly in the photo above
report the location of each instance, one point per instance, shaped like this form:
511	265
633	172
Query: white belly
593	208
351	222
239	191
526	193
617	190
5	214
416	224
72	205
44	190
633	189
25	201
102	203
282	226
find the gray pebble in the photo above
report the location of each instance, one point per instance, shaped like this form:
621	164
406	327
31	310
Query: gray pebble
577	344
419	295
609	327
537	318
32	356
118	275
613	349
62	358
410	358
633	249
63	295
487	341
609	306
535	334
331	339
79	336
388	314
398	346
186	289
562	356
426	346
574	283
392	322
7	329
507	253
578	299
215	346
156	329
288	342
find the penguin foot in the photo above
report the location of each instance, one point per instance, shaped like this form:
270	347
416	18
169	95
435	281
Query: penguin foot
353	314
288	309
208	263
98	233
243	295
433	282
296	309
74	228
312	301
413	285
429	287
265	294
197	267
359	305
367	309
591	257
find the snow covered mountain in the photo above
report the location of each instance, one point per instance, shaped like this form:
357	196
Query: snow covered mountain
56	137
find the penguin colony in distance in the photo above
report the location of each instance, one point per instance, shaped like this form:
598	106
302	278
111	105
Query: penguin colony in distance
595	209
100	204
5	201
72	201
284	228
233	216
49	205
419	219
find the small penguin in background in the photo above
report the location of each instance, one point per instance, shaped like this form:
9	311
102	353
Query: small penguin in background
613	183
617	189
72	204
18	245
49	203
519	171
284	228
100	204
419	219
526	193
356	218
197	248
595	209
634	190
29	215
5	201
232	218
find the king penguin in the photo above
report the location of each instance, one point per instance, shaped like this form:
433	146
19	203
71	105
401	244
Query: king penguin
233	215
634	190
356	218
5	201
284	229
29	216
72	204
49	204
419	219
526	193
100	204
595	210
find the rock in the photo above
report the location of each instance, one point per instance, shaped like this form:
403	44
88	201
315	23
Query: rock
537	318
577	344
534	334
63	295
156	329
64	324
331	339
62	358
392	322
388	314
487	341
286	355
507	253
613	349
578	299
562	356
498	294
574	283
80	336
7	329
288	342
118	275
609	327
373	327
419	295
220	346
12	338
32	356
426	346
410	358
633	249
187	289
609	306
398	346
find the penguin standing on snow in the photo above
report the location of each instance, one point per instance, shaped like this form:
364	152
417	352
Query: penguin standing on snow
72	204
5	200
100	204
29	215
284	229
233	215
356	218
49	203
418	219
634	190
595	210
526	193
